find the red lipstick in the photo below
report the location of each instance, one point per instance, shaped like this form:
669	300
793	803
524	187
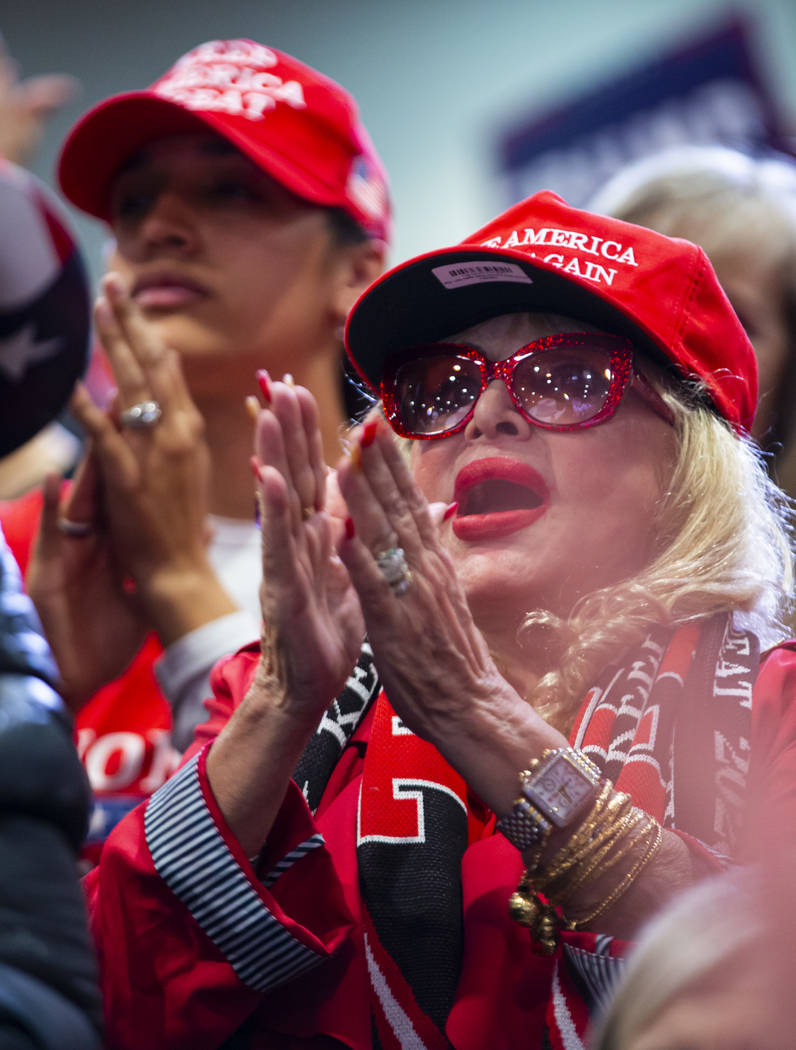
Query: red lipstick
497	495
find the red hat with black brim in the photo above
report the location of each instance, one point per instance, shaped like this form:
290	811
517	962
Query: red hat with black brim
544	256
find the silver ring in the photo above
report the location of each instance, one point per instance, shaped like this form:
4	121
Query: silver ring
141	415
395	568
76	529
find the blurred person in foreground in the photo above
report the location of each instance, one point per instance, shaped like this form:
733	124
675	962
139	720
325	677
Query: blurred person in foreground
25	107
561	700
48	993
248	209
741	210
713	970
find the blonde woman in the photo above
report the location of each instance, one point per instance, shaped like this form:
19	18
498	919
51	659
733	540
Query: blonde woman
560	715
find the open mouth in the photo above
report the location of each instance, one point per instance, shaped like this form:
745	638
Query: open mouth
497	495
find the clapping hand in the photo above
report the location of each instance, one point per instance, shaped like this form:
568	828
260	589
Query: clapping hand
313	623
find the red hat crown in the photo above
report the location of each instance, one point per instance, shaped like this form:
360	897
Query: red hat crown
299	126
544	255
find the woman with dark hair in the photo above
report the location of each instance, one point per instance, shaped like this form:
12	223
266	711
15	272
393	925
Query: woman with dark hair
247	209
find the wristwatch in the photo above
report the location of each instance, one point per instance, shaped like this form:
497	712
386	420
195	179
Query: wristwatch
556	789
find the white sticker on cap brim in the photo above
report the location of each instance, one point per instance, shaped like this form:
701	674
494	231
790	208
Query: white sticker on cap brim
484	271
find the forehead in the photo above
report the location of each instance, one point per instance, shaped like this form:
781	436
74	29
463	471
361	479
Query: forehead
506	333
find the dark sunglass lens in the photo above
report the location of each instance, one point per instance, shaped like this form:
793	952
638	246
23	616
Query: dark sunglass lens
565	385
435	392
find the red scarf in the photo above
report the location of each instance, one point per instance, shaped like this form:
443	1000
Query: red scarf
652	725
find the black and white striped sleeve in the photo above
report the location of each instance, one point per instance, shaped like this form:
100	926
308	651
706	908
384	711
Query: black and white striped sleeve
194	855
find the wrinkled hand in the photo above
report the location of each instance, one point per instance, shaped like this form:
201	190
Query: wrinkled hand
25	107
433	660
313	624
154	478
93	624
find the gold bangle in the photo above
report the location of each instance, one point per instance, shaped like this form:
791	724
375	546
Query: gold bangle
604	829
603	839
609	855
630	877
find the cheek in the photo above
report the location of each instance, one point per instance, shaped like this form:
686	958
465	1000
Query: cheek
618	490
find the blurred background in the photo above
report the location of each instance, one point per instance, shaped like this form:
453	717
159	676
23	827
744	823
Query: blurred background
471	105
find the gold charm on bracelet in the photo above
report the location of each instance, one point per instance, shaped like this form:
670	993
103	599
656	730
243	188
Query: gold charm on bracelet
541	919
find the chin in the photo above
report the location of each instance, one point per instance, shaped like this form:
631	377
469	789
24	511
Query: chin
497	599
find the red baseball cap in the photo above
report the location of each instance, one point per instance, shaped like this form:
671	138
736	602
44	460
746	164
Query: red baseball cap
542	255
299	126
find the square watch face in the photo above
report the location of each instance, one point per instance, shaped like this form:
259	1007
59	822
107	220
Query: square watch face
561	790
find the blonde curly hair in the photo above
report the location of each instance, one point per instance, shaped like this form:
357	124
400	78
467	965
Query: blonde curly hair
723	544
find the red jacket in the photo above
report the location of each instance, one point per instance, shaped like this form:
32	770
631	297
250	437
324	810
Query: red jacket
195	946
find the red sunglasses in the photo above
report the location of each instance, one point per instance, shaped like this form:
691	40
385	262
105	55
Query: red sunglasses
566	381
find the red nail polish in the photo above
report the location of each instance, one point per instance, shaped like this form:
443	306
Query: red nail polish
265	386
349	528
450	510
369	433
254	463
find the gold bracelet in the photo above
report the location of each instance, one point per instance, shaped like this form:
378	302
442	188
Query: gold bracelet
610	854
583	836
628	880
603	839
591	842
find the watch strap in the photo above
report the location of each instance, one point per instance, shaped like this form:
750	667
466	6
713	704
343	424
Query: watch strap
525	826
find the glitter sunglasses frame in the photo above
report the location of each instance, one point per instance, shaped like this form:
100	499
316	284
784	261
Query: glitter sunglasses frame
624	373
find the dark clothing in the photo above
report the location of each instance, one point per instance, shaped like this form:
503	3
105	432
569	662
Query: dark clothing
48	989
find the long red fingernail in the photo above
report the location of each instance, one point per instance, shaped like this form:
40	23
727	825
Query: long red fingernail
450	510
349	528
369	433
265	384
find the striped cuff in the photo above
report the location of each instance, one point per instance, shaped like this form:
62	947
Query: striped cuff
191	856
597	969
290	859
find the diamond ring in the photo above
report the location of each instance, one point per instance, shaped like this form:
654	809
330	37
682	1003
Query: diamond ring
141	415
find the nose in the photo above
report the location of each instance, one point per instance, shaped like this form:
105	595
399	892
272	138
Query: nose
495	414
168	223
